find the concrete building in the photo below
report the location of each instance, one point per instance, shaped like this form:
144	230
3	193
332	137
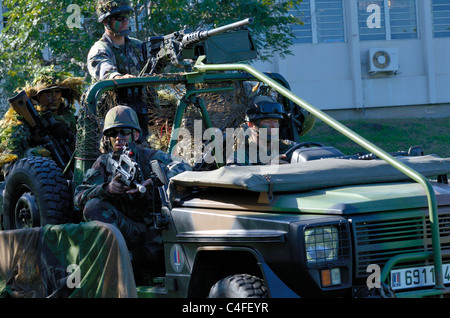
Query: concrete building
359	58
371	59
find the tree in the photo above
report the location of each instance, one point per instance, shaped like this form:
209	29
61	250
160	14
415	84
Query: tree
36	26
271	28
69	28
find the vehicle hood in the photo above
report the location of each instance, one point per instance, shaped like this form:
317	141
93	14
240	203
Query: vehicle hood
310	175
331	186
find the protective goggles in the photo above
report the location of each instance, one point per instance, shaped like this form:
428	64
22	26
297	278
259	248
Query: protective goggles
268	108
115	132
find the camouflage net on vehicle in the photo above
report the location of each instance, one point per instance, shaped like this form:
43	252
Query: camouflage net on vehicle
226	109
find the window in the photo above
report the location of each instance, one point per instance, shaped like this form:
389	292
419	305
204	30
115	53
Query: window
303	33
403	19
323	21
387	19
441	18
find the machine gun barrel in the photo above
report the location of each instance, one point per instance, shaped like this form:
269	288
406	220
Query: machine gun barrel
202	35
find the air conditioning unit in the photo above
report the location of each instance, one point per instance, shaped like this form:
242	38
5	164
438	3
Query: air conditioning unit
383	60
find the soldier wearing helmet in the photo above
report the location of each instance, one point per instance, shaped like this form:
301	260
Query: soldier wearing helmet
53	94
262	144
116	56
102	197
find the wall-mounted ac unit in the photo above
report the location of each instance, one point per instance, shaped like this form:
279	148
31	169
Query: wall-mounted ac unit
383	60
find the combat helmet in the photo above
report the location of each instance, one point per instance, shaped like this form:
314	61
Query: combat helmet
121	117
264	107
107	8
49	78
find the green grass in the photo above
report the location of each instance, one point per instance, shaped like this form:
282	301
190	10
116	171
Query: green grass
388	134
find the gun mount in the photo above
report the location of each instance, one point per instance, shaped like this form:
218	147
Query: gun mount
182	47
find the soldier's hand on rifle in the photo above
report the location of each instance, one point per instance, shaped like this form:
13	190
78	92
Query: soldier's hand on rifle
116	187
144	184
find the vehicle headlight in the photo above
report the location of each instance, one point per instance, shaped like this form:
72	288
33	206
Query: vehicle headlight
322	244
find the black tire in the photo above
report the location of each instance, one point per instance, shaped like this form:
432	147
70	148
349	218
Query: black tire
239	286
36	193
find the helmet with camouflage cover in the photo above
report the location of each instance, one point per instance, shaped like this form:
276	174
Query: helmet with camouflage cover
107	8
121	117
264	107
49	78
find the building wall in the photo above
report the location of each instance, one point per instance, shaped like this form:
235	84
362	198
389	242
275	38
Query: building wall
334	77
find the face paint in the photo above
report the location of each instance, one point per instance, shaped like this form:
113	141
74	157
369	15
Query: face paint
119	25
116	26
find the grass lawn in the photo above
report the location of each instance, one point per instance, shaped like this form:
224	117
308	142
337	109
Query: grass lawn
388	134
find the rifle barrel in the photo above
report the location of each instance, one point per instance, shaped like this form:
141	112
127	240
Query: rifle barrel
198	36
231	26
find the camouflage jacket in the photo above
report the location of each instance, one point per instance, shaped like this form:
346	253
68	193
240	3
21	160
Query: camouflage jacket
135	206
106	60
17	140
247	157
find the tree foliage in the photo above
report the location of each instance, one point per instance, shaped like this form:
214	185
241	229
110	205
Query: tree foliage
33	26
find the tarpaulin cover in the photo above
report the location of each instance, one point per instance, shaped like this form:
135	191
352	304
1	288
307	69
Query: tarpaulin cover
71	260
309	175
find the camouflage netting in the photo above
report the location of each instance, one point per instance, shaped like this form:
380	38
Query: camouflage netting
226	109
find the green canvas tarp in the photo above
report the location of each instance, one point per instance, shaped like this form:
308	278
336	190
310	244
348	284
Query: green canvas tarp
71	260
309	175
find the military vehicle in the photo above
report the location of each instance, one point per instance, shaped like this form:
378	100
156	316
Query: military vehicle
326	225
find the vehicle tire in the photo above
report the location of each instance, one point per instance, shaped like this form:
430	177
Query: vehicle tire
239	286
36	193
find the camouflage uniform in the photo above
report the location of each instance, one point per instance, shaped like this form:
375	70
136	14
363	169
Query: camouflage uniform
130	213
262	107
106	60
16	137
246	159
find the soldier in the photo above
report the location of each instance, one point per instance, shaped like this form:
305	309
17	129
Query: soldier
116	56
264	113
102	197
53	93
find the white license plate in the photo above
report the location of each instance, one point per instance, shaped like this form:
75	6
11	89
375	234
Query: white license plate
417	277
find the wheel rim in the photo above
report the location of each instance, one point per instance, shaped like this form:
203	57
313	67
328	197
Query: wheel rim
26	212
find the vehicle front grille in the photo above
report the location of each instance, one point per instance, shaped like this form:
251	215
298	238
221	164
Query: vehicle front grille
382	236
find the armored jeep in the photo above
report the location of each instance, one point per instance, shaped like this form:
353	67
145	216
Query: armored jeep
326	225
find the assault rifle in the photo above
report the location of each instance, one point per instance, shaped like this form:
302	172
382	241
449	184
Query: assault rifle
47	132
128	169
177	47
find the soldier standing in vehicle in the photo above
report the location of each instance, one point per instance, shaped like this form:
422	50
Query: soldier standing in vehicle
263	118
52	92
102	197
118	56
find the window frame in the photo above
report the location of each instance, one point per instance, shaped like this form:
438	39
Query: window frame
387	23
314	25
